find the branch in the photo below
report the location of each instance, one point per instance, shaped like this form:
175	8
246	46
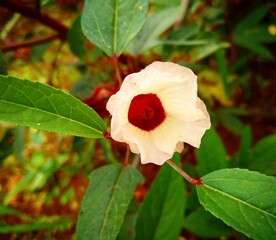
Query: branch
17	6
29	43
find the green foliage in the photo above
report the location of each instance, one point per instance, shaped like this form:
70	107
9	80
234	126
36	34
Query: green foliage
155	25
263	155
128	227
244	200
242	157
40	106
229	48
38	52
52	222
223	70
161	213
230	118
106	201
195	41
38	172
204	224
211	155
112	24
251	34
76	39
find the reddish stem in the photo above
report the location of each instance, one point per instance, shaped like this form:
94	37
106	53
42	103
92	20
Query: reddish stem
115	61
184	174
29	43
17	6
107	135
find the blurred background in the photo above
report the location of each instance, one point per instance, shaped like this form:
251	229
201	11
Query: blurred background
229	44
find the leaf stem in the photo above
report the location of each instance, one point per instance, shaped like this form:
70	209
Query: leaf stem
184	174
115	60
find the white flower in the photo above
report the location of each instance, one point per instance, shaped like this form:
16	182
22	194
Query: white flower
157	110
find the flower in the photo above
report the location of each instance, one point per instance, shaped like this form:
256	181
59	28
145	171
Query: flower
156	110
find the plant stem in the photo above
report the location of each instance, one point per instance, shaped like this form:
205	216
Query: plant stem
29	43
184	174
115	60
23	9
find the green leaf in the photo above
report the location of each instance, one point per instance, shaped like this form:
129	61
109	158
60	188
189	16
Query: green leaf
107	149
244	200
52	223
204	224
76	39
112	24
82	88
20	186
156	24
201	52
40	106
19	144
250	20
9	211
165	2
211	155
127	230
223	70
38	51
255	47
263	155
106	202
241	158
162	210
229	118
250	34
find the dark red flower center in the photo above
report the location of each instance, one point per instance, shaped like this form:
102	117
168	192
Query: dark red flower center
146	112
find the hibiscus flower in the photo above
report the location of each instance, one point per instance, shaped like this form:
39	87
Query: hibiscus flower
156	110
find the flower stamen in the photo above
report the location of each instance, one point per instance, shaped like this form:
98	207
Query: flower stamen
146	111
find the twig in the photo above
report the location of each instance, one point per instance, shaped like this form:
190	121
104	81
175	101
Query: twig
17	6
29	43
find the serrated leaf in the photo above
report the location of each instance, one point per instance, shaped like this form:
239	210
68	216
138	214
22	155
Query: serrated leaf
156	24
106	202
211	155
162	210
40	106
112	24
244	200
